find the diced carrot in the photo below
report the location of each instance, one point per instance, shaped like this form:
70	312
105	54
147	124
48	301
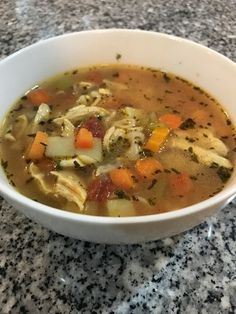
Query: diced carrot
180	184
122	178
38	146
148	167
84	139
173	121
95	77
157	139
38	96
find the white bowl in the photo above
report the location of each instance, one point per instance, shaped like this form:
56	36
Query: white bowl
208	69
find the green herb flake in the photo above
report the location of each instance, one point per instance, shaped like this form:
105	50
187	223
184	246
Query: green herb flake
45	145
214	165
58	165
198	89
146	153
4	164
166	77
12	183
76	164
187	124
121	195
19	108
154	181
190	139
175	170
224	173
193	156
118	56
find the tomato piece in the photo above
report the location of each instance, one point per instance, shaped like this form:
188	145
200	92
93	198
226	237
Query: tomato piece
100	189
95	126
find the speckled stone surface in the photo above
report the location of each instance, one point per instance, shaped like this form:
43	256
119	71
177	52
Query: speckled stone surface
43	272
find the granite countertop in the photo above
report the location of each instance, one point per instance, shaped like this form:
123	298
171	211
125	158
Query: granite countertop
43	272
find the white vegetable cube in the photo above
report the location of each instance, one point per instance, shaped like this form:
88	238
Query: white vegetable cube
63	147
120	207
60	147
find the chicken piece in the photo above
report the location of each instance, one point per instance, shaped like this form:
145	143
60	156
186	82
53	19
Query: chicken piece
42	113
40	179
204	156
205	139
79	161
133	113
70	187
126	129
9	137
79	112
68	128
136	139
91	99
112	135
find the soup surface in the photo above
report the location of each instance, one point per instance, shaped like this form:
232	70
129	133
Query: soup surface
117	140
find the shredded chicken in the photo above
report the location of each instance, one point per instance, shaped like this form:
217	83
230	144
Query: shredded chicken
67	127
80	161
204	156
40	178
112	135
79	112
133	113
205	139
126	129
42	113
9	137
136	138
71	188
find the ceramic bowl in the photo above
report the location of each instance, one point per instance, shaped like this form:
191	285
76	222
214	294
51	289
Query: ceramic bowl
206	68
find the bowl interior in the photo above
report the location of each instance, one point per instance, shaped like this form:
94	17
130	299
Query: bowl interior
202	66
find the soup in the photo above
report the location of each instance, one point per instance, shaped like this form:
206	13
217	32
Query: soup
117	140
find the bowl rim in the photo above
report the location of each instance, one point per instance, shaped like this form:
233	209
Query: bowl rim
16	197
